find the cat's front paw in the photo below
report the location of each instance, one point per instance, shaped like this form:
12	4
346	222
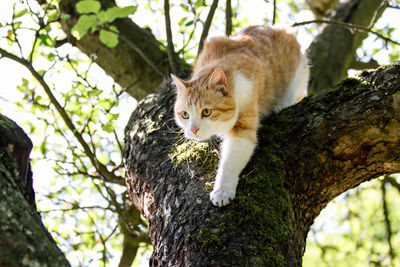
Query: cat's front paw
221	197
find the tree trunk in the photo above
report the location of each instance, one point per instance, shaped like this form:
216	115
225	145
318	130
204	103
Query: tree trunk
306	155
24	241
332	52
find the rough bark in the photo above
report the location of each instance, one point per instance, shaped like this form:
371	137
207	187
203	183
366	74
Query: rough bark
307	154
333	50
24	241
123	63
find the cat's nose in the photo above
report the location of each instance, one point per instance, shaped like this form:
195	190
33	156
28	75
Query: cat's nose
194	130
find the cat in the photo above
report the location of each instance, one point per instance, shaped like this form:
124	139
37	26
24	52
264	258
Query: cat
235	82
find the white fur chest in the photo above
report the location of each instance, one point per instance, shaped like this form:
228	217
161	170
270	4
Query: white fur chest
243	89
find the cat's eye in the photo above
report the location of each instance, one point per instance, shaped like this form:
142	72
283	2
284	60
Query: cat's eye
206	112
185	115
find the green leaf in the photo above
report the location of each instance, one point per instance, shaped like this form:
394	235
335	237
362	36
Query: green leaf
43	148
52	15
108	38
112	116
20	13
105	103
24	86
109	127
199	3
84	23
94	92
41	72
115	12
189	23
17	24
88	6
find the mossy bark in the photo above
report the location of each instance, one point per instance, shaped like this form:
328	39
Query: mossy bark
307	154
24	241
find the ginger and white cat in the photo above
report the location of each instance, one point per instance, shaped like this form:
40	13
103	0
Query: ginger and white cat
236	81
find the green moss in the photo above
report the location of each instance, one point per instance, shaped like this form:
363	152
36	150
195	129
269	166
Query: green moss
151	126
202	154
261	210
355	82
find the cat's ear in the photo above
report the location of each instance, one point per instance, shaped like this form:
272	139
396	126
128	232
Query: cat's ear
218	80
180	84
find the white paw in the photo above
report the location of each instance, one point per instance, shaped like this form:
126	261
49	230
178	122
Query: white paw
221	197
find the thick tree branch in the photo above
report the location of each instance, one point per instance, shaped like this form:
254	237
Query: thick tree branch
137	49
24	239
350	138
127	63
333	50
306	155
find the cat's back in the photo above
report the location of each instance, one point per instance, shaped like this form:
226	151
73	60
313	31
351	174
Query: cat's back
256	42
272	40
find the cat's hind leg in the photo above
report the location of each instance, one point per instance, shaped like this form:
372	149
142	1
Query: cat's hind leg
297	89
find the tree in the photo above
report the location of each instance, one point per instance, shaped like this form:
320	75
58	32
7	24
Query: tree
23	241
274	218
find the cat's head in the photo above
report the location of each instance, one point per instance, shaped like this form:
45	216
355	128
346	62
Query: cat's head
204	107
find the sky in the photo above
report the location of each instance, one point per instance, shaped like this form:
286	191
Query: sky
254	11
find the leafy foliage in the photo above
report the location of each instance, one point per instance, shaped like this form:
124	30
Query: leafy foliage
86	228
94	19
352	230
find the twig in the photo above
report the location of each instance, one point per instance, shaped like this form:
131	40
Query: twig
15	32
100	168
387	221
74	208
346	25
228	18
377	13
394	5
170	45
274	13
392	181
207	25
